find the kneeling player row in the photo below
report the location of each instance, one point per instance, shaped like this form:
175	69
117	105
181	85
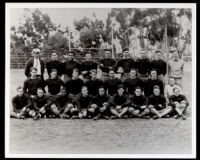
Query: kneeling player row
83	105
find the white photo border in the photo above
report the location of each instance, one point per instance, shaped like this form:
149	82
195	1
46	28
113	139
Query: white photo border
98	5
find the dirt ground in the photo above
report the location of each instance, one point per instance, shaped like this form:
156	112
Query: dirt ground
124	136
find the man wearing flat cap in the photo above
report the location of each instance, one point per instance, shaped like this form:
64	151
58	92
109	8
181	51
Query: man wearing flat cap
35	62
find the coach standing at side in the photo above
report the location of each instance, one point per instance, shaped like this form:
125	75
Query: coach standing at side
35	62
175	68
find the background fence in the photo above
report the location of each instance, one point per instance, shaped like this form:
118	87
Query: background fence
19	61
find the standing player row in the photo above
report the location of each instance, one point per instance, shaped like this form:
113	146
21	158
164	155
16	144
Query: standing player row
142	64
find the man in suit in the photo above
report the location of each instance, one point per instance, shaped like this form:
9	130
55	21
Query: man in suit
35	62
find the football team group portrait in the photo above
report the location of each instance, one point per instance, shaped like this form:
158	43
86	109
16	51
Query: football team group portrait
100	80
140	90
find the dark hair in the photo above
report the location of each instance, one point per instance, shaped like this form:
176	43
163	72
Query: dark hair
120	86
175	50
19	87
158	51
36	50
142	51
102	86
133	69
175	88
88	53
171	78
72	52
75	70
39	88
105	50
84	87
33	68
153	69
54	51
94	71
138	87
156	87
63	88
125	49
53	70
111	70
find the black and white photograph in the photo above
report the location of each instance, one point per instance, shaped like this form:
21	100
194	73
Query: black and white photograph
100	80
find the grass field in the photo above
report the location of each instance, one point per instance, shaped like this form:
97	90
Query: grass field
124	136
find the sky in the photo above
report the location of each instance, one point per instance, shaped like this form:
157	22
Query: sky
66	16
62	16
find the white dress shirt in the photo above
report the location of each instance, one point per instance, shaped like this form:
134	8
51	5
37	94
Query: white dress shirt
169	90
37	65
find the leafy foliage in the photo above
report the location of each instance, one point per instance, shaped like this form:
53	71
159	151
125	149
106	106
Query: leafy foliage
92	32
152	24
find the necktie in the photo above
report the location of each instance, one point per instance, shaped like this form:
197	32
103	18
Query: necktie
36	64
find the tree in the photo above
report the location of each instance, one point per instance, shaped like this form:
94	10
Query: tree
120	16
92	32
56	41
157	27
34	32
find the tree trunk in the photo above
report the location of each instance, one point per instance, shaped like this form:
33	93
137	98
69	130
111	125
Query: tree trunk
69	39
25	58
141	38
166	43
112	44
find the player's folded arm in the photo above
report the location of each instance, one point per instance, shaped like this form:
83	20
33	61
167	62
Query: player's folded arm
150	106
48	104
35	105
143	106
29	104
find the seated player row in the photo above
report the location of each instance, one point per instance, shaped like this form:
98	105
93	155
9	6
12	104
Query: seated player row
143	65
77	103
74	84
